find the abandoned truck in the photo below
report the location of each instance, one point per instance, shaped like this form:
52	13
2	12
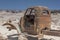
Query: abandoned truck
35	20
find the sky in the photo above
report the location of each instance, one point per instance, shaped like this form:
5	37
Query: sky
24	4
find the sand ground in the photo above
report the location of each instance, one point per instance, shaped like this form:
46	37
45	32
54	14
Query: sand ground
5	16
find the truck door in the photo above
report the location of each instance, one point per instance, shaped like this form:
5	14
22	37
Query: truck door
29	21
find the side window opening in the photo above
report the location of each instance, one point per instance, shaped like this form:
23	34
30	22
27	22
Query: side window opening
45	12
28	11
33	12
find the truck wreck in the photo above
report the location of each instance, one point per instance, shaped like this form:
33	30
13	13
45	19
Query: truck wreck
35	20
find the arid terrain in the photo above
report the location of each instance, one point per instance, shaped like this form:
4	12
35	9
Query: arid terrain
15	17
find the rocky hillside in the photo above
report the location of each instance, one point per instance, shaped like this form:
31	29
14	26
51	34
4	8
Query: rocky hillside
10	15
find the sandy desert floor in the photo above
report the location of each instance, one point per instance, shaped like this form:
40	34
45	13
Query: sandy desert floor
15	17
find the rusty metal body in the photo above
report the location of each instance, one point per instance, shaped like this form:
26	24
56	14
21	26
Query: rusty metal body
51	32
35	20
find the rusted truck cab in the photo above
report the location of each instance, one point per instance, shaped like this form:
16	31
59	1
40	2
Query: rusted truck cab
35	20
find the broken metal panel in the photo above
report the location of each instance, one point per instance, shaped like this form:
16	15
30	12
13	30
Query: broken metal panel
51	32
